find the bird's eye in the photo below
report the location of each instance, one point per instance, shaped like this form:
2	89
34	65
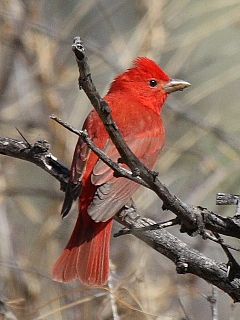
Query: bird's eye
153	83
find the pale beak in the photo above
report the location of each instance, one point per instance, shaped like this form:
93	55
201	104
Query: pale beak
176	85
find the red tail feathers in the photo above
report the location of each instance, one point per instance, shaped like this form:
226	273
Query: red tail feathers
86	256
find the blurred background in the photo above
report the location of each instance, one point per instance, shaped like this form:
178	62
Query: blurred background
197	41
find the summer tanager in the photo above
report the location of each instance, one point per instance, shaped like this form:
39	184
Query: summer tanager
136	98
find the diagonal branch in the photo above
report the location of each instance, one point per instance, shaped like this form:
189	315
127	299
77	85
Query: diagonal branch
170	201
186	259
190	216
119	171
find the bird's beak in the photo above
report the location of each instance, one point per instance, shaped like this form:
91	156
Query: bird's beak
176	85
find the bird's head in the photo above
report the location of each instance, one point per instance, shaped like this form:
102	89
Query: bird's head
148	83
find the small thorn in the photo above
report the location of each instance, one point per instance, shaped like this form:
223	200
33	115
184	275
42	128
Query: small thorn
29	144
122	232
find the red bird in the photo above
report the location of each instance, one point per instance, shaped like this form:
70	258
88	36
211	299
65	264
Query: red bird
136	98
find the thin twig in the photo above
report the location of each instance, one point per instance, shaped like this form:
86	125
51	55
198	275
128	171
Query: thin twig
233	265
219	241
121	172
156	226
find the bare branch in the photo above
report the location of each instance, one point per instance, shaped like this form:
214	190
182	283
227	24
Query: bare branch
186	259
119	171
210	220
190	216
39	154
227	198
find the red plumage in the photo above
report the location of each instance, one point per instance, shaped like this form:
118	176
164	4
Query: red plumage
136	98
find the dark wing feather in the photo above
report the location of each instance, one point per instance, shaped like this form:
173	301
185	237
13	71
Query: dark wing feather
74	186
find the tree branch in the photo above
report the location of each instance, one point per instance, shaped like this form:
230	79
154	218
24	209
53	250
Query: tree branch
39	154
186	259
119	171
190	216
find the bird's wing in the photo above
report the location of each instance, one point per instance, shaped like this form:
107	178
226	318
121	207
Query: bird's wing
74	185
112	193
78	167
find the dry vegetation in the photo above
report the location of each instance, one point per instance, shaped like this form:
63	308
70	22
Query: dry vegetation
194	40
